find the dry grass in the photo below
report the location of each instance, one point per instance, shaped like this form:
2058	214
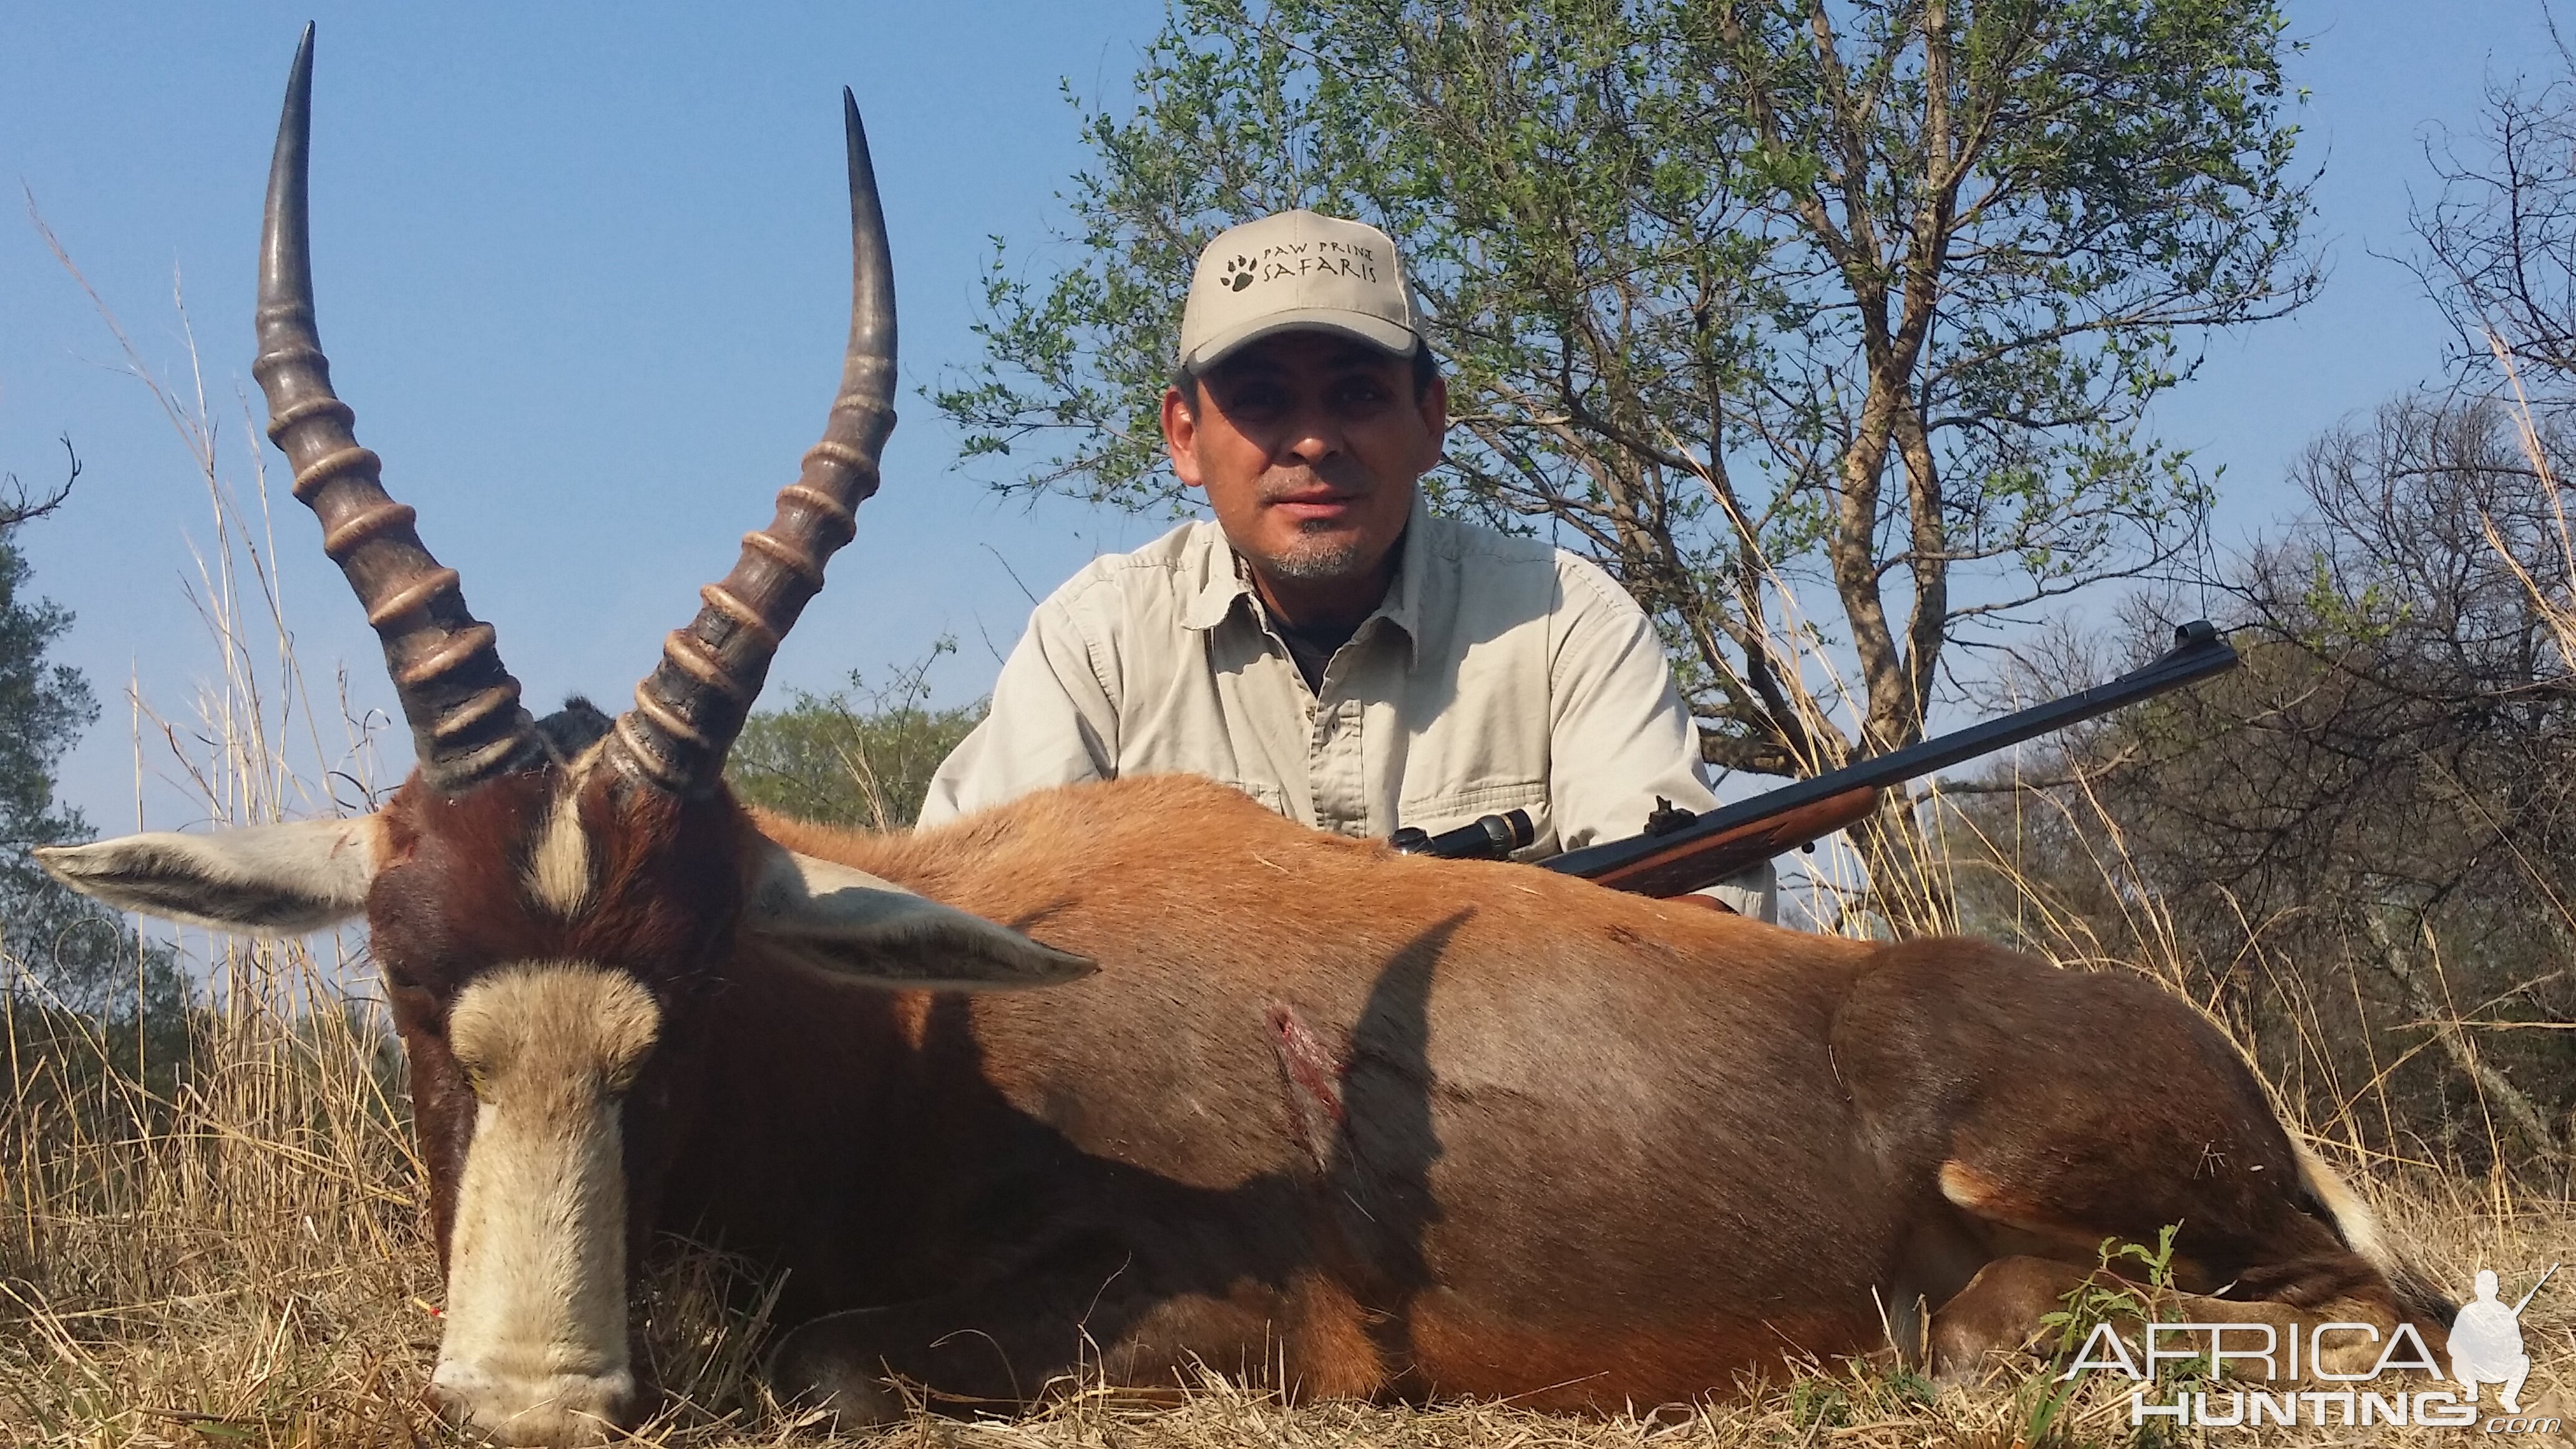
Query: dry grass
252	1271
241	1259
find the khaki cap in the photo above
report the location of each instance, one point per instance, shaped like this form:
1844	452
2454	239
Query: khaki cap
1298	269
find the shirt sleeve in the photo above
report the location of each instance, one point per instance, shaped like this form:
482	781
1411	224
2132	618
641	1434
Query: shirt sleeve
1618	734
1052	722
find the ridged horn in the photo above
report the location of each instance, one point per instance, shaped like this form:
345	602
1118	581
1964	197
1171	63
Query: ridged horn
689	709
466	722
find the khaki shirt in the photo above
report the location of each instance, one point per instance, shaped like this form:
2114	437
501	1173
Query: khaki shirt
1499	673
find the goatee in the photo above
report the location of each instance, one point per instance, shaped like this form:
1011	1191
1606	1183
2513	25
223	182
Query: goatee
1319	558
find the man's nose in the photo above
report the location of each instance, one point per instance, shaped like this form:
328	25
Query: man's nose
1311	437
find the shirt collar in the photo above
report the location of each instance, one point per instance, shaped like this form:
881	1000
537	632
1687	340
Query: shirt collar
1223	581
1220	579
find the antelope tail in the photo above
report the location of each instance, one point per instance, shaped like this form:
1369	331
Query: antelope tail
2359	1228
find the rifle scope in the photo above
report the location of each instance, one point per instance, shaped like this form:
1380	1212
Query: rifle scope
1491	837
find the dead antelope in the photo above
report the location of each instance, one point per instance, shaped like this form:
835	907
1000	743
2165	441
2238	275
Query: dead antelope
1292	1105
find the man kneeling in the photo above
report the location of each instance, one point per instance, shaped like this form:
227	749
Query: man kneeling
1326	644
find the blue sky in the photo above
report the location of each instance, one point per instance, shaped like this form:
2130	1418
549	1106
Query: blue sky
582	272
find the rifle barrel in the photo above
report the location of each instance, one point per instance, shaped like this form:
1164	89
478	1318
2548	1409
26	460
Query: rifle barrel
2199	651
2535	1290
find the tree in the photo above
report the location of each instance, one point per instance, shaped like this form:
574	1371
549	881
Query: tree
57	949
862	756
2499	238
1747	302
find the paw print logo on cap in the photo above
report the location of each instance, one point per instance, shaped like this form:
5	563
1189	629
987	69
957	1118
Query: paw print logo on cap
1237	275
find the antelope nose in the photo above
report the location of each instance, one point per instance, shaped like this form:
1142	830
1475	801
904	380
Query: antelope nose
554	1410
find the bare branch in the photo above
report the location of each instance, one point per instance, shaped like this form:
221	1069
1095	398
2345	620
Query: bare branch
18	506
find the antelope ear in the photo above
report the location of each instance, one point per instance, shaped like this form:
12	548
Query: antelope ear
276	880
851	922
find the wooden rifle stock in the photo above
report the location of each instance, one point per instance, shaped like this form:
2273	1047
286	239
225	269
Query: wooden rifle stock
1705	860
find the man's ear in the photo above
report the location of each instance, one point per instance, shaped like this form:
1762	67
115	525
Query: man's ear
1435	414
850	922
278	880
1180	435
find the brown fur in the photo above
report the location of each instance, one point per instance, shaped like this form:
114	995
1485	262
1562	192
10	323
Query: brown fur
1594	1141
1586	1148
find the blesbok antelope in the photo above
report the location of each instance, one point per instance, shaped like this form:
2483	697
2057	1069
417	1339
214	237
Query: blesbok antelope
1293	1105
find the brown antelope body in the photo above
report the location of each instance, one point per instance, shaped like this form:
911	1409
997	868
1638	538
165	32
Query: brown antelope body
1292	1106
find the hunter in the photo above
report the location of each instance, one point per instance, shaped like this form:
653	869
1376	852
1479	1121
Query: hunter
1326	644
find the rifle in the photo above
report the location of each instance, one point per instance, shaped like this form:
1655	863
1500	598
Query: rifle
2535	1290
1697	851
1681	852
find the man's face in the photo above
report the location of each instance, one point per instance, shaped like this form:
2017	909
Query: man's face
1308	444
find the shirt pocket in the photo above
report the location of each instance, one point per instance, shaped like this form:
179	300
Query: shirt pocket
1272	798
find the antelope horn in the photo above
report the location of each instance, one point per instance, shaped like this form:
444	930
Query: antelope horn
466	722
689	709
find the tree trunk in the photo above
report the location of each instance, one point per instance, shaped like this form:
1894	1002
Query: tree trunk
2495	1090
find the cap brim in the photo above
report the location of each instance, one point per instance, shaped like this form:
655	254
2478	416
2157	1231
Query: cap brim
1374	330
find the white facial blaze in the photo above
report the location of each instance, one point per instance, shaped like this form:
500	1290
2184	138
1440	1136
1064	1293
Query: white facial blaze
536	1348
559	868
